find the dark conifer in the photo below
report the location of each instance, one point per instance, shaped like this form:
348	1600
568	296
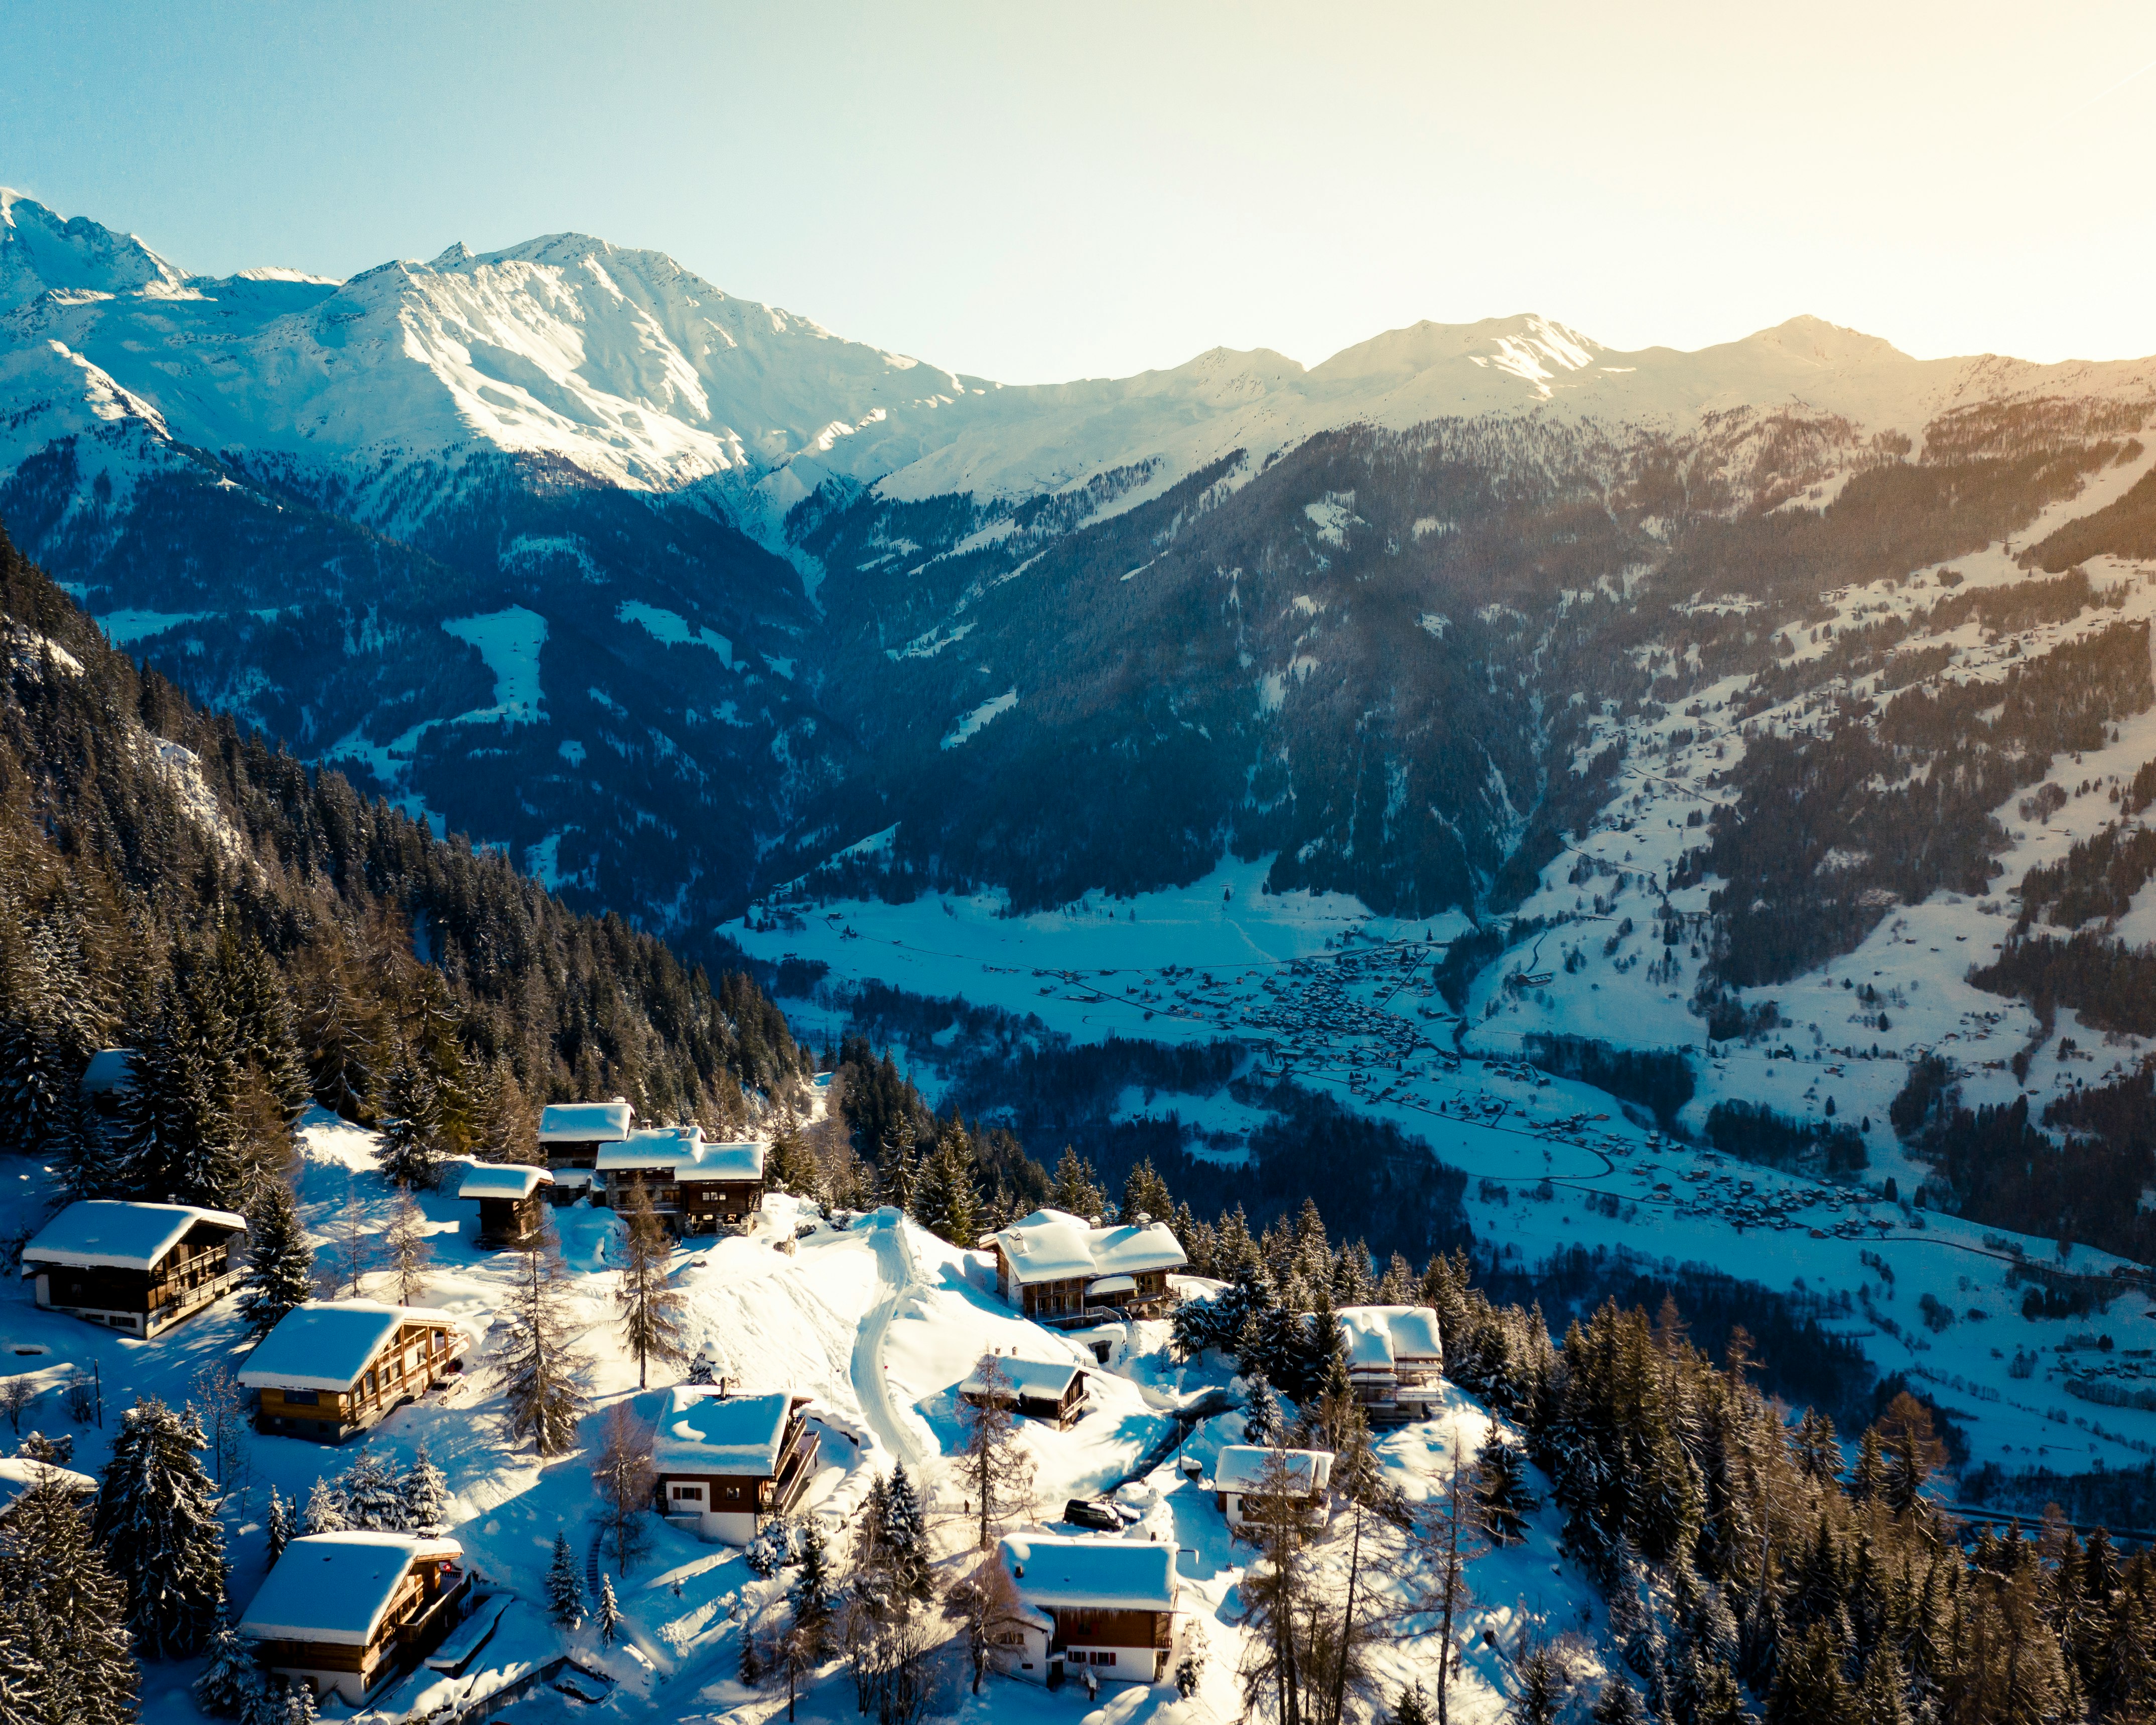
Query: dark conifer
157	1523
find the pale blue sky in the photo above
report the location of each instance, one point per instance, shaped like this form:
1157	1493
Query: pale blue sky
1031	193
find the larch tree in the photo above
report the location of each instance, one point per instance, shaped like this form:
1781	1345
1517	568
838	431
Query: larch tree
1447	1538
1276	1598
648	1304
407	1249
341	1266
993	1466
541	1365
157	1522
625	1480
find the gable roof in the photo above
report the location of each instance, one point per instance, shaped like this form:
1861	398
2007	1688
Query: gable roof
502	1179
1105	1574
106	1234
736	1159
1383	1337
1241	1467
110	1069
1054	1246
325	1344
703	1431
1026	1377
335	1587
581	1122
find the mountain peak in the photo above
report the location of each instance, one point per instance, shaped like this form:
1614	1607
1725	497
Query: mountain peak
41	252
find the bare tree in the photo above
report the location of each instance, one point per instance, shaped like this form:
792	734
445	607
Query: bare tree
626	1480
341	1265
16	1395
1276	1596
1449	1537
650	1307
987	1607
994	1465
408	1249
540	1364
222	1401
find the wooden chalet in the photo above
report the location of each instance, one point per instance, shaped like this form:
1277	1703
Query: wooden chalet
1061	1271
332	1368
1039	1389
507	1193
343	1613
699	1186
137	1267
1239	1484
727	1464
1395	1361
1106	1606
571	1134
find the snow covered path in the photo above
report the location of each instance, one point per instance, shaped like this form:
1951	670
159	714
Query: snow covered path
870	1382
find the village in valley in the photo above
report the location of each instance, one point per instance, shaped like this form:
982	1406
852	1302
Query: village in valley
648	1427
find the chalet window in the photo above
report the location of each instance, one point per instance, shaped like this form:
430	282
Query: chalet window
369	1382
694	1494
303	1398
733	1491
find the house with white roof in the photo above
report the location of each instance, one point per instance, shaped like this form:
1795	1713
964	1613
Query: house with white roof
698	1184
1105	1605
1395	1361
332	1368
1060	1270
507	1194
1244	1492
138	1267
1038	1388
19	1473
571	1134
727	1464
343	1612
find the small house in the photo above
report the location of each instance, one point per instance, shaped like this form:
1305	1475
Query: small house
1106	1606
1395	1361
106	1081
571	1134
1239	1483
342	1612
1060	1270
727	1464
1038	1388
697	1185
138	1267
508	1198
332	1368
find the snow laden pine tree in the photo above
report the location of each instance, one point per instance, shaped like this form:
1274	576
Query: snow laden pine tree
899	1169
324	1513
565	1586
608	1619
946	1202
1076	1188
368	1498
994	1468
902	1541
280	1265
277	1525
1503	1498
410	1150
341	1067
648	1306
157	1523
424	1495
540	1363
64	1641
232	1677
406	1248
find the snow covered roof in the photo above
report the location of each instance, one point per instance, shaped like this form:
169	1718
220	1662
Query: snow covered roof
584	1123
1105	1575
110	1069
502	1179
652	1147
106	1234
704	1432
335	1587
19	1473
1242	1465
1382	1336
1054	1246
325	1344
1028	1377
736	1159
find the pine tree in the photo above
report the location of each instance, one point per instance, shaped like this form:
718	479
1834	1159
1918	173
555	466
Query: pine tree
1867	1481
1501	1494
231	1674
903	1540
1075	1187
340	1055
368	1498
277	1525
324	1513
64	1646
157	1522
1619	1703
280	1265
541	1362
424	1494
814	1596
565	1586
1412	1709
255	1000
899	1170
608	1618
1809	1689
407	1247
410	1149
1261	1413
1145	1193
649	1304
946	1202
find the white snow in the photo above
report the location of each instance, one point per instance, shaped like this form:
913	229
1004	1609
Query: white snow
1239	1467
326	1344
673	628
972	722
335	1588
703	1430
509	641
103	1232
579	1122
497	1179
1108	1574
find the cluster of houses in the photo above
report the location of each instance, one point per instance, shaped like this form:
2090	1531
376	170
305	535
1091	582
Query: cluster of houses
343	1611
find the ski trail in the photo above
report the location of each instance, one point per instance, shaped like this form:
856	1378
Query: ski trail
870	1385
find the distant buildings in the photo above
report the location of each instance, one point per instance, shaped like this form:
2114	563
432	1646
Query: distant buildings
137	1267
509	1202
1105	1605
1395	1361
333	1368
727	1464
1239	1483
342	1612
1039	1389
1061	1271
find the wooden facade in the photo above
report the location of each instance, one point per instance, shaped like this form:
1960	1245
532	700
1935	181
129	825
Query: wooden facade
1036	1390
510	1222
413	1354
731	1499
167	1279
1107	1607
317	1623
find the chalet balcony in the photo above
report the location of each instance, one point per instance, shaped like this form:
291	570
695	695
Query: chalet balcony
439	1612
796	1468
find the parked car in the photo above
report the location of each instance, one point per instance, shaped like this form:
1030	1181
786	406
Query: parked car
1092	1512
